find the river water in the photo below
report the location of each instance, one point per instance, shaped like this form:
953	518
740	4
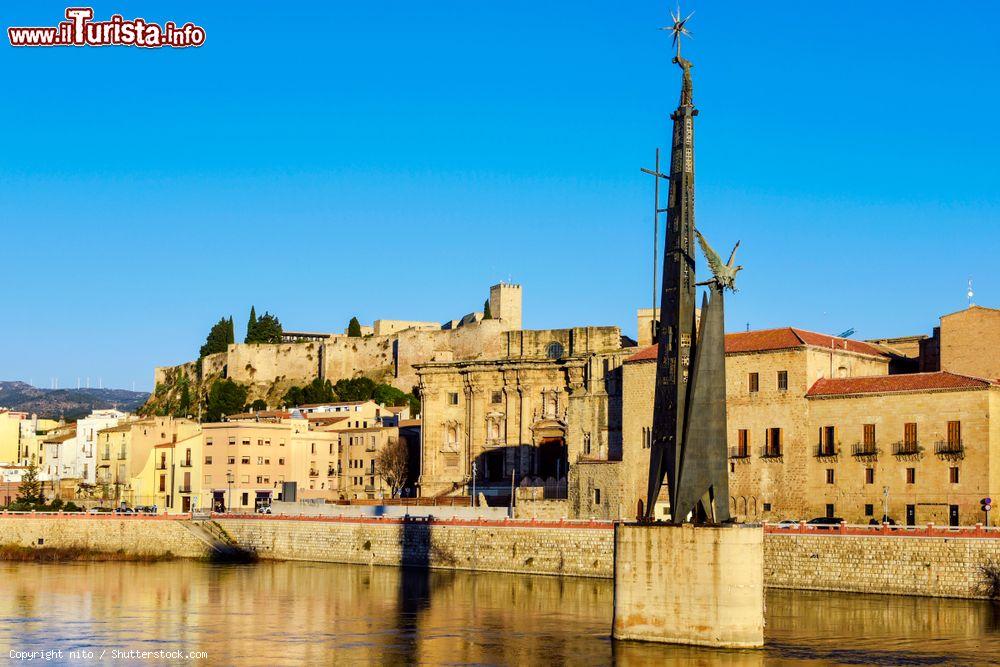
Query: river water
314	613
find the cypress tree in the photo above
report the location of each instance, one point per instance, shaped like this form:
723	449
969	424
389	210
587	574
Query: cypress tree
487	315
354	328
251	326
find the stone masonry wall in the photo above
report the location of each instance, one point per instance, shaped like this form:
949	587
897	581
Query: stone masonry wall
932	566
574	550
146	536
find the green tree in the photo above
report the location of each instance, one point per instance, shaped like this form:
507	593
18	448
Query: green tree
219	336
487	315
30	490
232	331
251	326
357	389
258	405
317	391
225	397
354	328
293	397
268	329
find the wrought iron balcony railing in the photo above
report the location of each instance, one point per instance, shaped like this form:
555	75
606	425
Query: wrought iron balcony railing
826	449
864	449
739	452
949	447
904	448
771	452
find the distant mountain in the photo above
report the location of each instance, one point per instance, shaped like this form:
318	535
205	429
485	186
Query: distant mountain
66	403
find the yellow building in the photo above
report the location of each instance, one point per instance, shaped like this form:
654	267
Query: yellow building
10	435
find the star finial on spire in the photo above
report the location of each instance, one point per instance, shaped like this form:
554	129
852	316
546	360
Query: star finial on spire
678	29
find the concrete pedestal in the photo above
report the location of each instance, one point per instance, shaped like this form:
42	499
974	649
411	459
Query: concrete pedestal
689	585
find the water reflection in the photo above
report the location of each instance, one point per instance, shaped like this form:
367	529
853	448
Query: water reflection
287	613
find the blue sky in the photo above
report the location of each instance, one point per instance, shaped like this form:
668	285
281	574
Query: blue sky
394	159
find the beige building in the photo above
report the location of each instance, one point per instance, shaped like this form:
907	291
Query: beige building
551	401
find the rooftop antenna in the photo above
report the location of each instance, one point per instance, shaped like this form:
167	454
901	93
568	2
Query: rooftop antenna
970	294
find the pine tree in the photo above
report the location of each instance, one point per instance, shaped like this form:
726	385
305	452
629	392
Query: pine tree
30	490
354	328
232	331
251	326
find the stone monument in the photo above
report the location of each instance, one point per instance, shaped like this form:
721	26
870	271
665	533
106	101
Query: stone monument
695	578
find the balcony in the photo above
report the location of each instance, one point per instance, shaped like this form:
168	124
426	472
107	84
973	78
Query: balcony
739	452
903	448
184	489
185	464
331	472
771	452
827	450
949	448
161	465
864	450
313	473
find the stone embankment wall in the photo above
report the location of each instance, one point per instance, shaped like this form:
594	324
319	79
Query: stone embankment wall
575	549
940	563
140	536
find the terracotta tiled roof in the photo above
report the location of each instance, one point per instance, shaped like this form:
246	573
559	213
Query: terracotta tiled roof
881	384
767	340
331	403
789	337
403	423
645	354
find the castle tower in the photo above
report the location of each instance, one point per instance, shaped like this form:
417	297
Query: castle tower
505	304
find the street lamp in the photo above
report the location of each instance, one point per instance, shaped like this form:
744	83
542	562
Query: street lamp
229	481
473	483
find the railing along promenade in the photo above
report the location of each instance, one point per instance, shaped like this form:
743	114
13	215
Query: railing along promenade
427	520
881	530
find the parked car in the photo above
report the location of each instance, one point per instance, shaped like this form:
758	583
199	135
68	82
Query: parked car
264	509
124	510
825	522
145	509
788	522
99	510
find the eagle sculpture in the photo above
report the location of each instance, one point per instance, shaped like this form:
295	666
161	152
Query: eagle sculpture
725	274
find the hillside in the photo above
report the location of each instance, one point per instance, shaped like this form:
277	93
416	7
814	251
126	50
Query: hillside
66	403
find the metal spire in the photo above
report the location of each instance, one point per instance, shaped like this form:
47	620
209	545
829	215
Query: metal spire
678	30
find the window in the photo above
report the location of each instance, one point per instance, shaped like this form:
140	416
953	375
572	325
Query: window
830	513
767	507
260	442
554	350
869	475
244	479
245	498
869	509
597	496
453	398
953	475
281	462
312	448
954	435
245	460
869	435
782	380
260	460
232	440
586	443
743	443
208	442
208	460
910	434
208	479
163	483
772	447
754	383
827	441
231	460
911	475
246	441
829	475
496	397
